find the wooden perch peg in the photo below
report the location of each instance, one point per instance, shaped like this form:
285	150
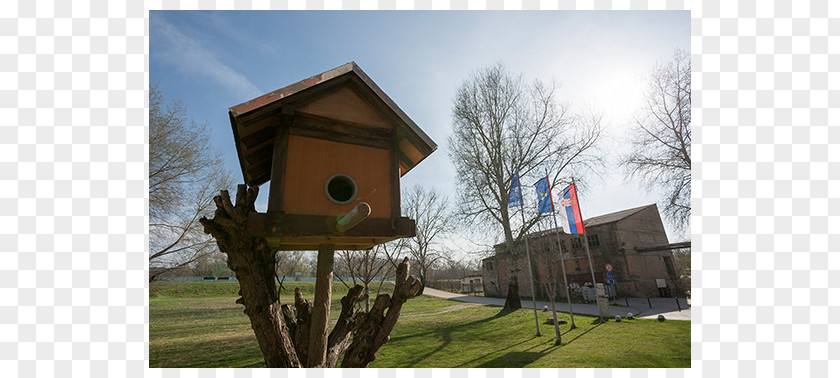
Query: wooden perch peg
358	214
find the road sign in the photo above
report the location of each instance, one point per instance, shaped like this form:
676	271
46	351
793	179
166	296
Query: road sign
610	275
611	282
609	267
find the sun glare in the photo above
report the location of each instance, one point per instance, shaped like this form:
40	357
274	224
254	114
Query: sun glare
619	94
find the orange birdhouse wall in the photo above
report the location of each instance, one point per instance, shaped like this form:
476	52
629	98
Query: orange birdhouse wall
347	105
310	162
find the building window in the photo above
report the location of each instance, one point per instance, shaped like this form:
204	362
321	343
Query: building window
576	243
593	240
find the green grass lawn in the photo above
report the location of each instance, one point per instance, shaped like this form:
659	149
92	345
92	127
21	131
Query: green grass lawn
199	325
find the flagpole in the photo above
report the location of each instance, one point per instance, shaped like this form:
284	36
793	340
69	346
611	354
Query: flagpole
591	270
527	254
557	336
547	193
586	245
530	269
563	267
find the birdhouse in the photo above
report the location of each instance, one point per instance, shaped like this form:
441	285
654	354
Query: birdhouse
334	147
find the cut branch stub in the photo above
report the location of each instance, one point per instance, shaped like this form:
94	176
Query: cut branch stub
377	327
304	321
347	322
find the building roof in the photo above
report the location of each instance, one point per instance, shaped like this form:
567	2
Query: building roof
254	122
591	222
664	247
614	217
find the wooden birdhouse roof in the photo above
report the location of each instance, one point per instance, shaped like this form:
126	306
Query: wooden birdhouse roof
344	97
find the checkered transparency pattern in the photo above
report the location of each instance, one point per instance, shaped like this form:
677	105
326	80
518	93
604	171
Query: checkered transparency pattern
73	186
765	188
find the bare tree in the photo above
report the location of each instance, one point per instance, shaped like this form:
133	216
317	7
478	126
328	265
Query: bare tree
185	172
661	157
430	210
289	263
501	126
210	264
362	268
394	251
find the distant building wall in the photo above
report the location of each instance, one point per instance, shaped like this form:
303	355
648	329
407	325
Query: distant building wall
472	284
612	240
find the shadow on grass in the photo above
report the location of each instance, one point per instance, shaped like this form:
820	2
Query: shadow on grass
231	351
512	359
597	324
495	351
446	335
526	357
517	359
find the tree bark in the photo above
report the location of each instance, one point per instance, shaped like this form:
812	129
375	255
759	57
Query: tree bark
348	320
285	332
422	282
512	300
377	326
253	261
551	288
303	319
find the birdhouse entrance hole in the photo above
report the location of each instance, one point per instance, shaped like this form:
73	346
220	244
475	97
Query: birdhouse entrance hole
341	189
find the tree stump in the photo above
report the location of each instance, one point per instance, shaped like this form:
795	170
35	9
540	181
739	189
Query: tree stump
284	332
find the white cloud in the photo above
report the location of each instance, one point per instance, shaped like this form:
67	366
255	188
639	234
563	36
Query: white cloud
189	57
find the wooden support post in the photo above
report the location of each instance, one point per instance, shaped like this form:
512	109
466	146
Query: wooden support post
395	174
278	161
321	306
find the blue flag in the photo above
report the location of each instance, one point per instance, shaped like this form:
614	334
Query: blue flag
545	204
515	198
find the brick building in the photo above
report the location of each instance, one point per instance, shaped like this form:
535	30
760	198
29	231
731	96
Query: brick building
633	241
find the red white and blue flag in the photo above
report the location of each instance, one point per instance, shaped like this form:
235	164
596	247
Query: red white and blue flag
569	200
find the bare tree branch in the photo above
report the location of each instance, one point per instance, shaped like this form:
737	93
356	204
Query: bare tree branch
185	172
662	145
364	266
431	212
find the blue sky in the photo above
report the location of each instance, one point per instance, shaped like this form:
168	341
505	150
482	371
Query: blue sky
213	60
